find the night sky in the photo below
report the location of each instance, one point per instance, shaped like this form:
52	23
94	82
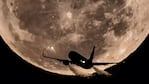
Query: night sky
12	67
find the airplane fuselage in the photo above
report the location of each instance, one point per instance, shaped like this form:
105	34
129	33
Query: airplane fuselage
76	58
80	60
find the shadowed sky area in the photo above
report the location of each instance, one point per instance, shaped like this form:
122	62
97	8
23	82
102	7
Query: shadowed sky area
13	67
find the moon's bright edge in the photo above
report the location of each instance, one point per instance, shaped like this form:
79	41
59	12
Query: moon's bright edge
117	48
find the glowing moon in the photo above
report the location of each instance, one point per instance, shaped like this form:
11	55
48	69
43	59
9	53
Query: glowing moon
115	27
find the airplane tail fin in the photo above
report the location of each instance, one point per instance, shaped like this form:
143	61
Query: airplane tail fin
92	54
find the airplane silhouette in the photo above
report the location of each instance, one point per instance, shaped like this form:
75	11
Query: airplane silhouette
76	58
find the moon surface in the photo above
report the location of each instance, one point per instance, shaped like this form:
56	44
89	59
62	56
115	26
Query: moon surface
55	27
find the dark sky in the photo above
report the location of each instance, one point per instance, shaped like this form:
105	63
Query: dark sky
12	67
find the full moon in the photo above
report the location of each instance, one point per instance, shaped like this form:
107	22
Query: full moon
56	27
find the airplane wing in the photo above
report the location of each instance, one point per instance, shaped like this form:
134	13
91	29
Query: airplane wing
103	63
65	62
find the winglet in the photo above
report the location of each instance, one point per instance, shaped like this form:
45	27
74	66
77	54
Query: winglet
92	54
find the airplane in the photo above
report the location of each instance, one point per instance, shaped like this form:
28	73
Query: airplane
79	60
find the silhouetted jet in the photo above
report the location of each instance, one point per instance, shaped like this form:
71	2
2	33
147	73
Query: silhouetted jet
76	58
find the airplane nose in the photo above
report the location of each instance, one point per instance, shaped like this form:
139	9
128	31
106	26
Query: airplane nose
71	54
